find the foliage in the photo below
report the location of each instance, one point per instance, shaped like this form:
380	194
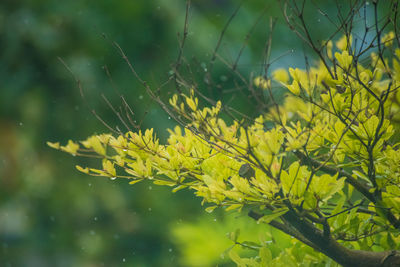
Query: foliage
323	166
50	214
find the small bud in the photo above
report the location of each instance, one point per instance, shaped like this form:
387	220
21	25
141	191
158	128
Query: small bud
246	171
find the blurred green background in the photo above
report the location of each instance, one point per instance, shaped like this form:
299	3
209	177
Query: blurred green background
50	214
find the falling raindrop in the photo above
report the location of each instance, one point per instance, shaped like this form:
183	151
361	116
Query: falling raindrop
149	209
170	250
89	184
215	220
95	218
150	187
20	124
123	260
141	97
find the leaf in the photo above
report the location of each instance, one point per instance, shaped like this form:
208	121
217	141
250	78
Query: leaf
234	206
71	147
162	182
81	169
53	145
280	75
250	245
95	143
135	181
294	88
234	235
276	213
390	241
211	209
227	251
109	168
265	255
236	258
179	187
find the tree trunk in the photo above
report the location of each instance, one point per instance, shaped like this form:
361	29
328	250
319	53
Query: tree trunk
342	255
314	237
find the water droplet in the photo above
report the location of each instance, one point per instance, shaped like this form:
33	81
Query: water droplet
158	7
170	250
125	149
89	184
292	51
92	232
215	220
95	218
319	20
113	178
140	97
150	187
169	117
149	209
52	218
123	260
20	124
